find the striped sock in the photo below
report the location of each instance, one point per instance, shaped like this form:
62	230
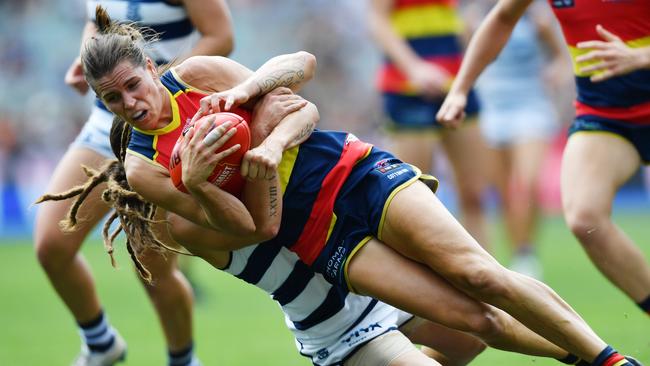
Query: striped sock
609	357
98	334
184	357
645	305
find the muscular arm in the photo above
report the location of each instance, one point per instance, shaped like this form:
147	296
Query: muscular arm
390	42
154	185
489	39
220	74
212	19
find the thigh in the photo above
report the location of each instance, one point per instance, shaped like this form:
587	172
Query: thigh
377	270
528	158
69	174
392	348
466	152
419	226
594	166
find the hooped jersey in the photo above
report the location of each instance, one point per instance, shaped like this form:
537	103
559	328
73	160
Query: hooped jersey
432	29
170	21
328	322
625	98
156	146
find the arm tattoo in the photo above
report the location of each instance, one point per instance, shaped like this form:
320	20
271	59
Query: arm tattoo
273	201
292	74
302	135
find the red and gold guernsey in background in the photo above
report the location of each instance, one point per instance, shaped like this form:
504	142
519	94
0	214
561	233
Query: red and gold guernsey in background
623	99
155	146
432	28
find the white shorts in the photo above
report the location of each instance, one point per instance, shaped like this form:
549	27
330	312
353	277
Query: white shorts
502	126
381	320
95	134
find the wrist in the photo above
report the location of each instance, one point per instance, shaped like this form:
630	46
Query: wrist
644	58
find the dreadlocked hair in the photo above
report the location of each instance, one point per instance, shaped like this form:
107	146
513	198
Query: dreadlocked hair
134	213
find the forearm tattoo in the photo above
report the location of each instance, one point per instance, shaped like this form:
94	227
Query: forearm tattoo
293	73
302	135
273	201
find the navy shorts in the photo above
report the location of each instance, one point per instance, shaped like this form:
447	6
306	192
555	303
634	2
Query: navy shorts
638	135
414	113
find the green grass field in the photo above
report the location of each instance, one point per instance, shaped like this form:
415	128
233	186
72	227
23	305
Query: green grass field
237	324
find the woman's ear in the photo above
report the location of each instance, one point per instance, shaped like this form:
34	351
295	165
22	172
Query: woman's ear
152	68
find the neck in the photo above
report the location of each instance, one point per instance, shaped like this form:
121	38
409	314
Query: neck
166	114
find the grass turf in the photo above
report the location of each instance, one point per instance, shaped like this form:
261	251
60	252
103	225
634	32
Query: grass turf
237	324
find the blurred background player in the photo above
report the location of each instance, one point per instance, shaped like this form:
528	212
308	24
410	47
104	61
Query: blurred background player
423	47
518	121
192	27
609	138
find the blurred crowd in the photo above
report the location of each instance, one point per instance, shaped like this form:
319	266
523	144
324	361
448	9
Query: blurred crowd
40	115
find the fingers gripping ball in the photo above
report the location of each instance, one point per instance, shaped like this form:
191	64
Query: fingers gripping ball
226	174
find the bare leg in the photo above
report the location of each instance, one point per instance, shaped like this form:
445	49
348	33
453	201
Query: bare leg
527	161
420	227
57	252
170	294
447	346
465	150
594	167
418	290
415	148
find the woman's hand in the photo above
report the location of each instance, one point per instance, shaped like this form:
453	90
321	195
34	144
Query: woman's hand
198	151
270	110
430	80
261	162
611	57
74	77
452	111
221	101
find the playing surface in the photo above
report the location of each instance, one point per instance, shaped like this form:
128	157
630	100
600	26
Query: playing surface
237	324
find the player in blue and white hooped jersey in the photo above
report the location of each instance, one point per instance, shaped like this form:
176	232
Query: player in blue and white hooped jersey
331	325
184	28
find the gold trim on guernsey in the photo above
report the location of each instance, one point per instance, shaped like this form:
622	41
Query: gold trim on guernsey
427	21
575	52
176	119
152	162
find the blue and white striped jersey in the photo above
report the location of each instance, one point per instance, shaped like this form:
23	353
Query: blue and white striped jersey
329	323
169	21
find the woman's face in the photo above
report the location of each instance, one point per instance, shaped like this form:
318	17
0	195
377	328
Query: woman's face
134	93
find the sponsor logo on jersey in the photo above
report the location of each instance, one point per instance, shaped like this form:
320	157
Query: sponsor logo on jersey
360	334
334	263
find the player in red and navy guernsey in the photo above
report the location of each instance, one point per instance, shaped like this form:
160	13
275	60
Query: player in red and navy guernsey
610	136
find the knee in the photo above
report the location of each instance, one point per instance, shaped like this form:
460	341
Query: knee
583	222
54	254
471	198
485	324
486	282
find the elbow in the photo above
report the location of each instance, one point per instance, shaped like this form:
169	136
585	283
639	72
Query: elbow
227	44
310	64
266	232
315	115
